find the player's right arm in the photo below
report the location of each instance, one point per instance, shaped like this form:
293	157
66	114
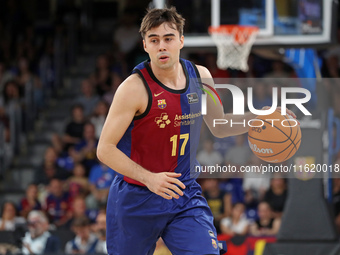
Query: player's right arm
131	100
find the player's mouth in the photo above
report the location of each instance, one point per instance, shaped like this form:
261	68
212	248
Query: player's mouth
163	58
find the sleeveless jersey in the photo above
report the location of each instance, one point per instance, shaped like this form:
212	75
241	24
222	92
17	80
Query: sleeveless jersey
166	136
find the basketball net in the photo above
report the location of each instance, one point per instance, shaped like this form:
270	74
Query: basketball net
233	45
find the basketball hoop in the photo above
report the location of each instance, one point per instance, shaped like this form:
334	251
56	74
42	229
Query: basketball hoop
233	45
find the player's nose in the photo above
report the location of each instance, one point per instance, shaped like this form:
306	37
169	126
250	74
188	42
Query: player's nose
162	46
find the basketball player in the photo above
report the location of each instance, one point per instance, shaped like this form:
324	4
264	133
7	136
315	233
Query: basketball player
150	138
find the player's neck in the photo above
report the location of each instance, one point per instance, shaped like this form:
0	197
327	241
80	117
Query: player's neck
172	77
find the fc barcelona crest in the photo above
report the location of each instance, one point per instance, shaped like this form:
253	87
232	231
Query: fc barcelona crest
161	103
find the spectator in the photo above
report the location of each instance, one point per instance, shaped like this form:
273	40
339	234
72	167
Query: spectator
218	201
73	131
99	117
266	225
101	177
57	203
30	202
85	150
255	184
102	75
276	195
238	155
25	76
237	224
78	183
38	240
49	168
116	81
9	217
100	231
332	58
88	99
11	94
78	209
85	242
208	156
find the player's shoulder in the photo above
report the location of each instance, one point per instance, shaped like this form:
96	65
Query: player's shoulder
203	71
132	84
133	80
131	87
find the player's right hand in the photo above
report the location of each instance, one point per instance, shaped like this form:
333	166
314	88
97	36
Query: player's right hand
166	185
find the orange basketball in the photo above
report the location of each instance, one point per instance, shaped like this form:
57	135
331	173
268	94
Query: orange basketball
274	138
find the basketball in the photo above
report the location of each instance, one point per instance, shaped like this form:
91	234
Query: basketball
274	138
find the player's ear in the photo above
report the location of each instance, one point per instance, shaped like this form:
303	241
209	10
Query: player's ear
182	41
144	46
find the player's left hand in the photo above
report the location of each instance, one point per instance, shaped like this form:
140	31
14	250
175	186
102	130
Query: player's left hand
166	185
289	112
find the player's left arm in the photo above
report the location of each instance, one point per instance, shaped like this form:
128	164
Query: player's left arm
215	111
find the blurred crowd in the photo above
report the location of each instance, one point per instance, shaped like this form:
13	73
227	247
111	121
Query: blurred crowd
251	205
70	187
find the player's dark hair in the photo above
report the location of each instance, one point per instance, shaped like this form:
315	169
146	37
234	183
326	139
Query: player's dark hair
156	17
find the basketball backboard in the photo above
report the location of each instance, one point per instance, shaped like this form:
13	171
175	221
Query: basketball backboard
282	23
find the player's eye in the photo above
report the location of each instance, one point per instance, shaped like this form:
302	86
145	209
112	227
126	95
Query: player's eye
168	39
153	40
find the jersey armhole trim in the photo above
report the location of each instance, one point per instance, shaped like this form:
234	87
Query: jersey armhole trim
147	110
196	70
198	76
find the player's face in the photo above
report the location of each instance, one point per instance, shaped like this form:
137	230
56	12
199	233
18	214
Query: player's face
163	44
